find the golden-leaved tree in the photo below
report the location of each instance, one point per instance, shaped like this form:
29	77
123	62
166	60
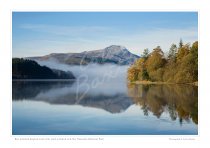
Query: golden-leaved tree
180	66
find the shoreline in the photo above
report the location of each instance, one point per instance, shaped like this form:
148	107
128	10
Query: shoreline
160	83
44	80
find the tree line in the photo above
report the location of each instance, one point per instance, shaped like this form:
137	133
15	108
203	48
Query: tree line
180	65
29	69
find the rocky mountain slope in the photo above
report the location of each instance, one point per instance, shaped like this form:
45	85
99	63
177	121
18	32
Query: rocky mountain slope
113	54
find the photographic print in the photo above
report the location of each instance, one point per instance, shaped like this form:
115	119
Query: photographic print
104	73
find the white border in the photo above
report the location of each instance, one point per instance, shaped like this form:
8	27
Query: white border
6	7
101	136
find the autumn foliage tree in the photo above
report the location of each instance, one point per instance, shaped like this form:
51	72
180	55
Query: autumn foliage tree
155	64
180	66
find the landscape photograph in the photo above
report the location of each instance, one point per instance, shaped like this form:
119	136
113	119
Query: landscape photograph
105	73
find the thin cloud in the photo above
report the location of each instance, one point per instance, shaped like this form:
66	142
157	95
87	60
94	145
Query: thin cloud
65	30
155	37
81	38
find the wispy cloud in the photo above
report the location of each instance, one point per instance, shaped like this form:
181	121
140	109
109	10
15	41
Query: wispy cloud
65	30
80	38
142	39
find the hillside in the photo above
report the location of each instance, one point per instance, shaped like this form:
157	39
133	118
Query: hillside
28	69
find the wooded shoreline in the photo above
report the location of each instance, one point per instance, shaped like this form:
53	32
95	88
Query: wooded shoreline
178	66
160	83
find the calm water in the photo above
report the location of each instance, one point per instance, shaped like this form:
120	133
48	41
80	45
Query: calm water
74	108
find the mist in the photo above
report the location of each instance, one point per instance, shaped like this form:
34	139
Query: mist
94	79
91	72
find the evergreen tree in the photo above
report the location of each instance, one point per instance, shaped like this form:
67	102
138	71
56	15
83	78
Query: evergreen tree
180	43
145	53
172	53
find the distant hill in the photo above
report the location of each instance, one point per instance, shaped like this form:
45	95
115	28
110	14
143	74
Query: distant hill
113	54
28	69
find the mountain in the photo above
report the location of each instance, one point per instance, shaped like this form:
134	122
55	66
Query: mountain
28	69
112	54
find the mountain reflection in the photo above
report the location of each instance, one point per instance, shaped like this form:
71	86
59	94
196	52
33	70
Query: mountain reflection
65	92
180	101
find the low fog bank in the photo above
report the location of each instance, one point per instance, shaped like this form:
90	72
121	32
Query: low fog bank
91	72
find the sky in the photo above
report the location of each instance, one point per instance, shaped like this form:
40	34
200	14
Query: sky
42	33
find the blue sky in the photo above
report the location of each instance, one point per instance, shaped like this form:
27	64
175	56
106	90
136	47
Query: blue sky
41	33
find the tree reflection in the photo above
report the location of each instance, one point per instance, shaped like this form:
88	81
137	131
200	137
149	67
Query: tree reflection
180	101
30	89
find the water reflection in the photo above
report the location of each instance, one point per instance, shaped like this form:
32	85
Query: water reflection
67	92
59	107
180	101
22	90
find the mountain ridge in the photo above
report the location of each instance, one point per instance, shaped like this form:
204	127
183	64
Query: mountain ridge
114	54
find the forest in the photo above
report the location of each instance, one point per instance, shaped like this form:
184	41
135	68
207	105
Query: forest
29	69
179	65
